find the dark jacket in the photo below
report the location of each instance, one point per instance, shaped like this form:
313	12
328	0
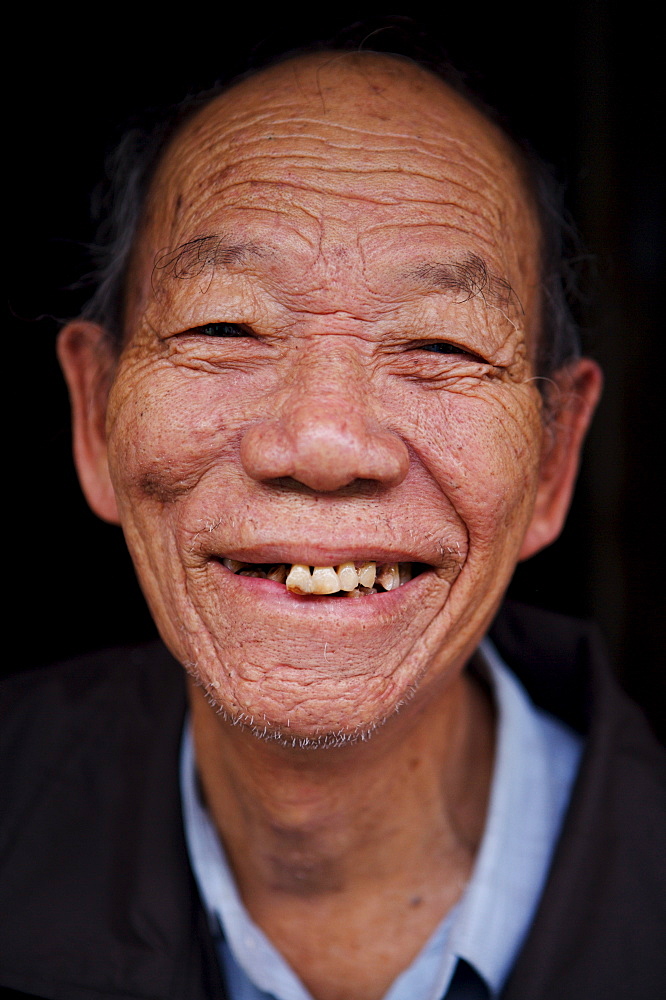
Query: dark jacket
97	900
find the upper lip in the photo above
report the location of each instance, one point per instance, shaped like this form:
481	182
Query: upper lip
309	555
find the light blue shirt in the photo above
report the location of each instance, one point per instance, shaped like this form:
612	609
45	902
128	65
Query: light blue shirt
536	761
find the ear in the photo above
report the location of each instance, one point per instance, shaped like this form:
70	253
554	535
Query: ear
87	360
573	396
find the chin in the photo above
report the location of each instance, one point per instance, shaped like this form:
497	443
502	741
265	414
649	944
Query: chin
332	728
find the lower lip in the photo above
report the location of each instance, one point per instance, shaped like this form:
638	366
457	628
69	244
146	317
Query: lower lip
382	602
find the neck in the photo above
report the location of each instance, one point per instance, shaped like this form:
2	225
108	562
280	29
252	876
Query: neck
308	822
348	858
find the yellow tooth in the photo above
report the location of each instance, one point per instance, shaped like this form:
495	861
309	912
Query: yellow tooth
233	564
278	573
405	572
325	580
389	576
347	576
299	580
366	574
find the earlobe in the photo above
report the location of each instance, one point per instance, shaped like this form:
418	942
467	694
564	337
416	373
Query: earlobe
87	360
575	393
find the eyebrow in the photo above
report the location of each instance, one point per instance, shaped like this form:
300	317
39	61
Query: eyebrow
469	277
206	253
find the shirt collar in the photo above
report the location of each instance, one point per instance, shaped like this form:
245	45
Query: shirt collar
536	761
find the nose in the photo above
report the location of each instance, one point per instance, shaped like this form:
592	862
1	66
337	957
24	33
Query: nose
325	441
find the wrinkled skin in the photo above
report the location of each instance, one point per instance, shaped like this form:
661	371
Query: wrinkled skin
374	406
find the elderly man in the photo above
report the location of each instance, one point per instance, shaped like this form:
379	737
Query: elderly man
326	429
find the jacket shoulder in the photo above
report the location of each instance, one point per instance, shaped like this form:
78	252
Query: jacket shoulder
92	853
50	713
601	923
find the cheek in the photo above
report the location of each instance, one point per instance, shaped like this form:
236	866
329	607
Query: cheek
482	445
166	430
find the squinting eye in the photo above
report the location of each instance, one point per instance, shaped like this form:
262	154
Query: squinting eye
438	347
220	330
442	347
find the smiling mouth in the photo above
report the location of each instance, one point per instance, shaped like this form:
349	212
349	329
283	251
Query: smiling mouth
349	579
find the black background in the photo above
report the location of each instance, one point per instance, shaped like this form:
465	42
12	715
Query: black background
580	80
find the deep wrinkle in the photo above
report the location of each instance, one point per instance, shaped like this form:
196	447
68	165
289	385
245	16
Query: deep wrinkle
466	278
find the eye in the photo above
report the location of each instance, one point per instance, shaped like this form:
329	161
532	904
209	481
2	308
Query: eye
220	330
443	347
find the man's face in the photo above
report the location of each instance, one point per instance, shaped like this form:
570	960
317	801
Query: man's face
329	359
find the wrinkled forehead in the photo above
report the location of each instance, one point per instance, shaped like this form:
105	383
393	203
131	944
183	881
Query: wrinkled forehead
344	153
